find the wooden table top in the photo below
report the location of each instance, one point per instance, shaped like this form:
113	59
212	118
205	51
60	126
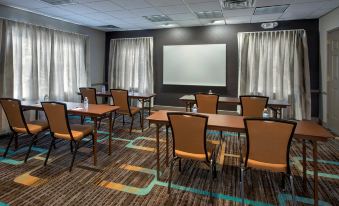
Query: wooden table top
305	129
130	94
236	101
75	108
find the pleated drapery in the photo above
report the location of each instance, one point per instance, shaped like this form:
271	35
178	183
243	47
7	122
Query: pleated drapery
36	61
131	64
276	64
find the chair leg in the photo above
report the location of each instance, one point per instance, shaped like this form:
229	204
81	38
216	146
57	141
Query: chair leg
49	151
99	124
242	185
211	176
179	164
123	119
141	126
130	130
170	175
282	183
71	145
16	142
240	148
82	119
74	154
221	137
9	144
115	115
34	138
293	191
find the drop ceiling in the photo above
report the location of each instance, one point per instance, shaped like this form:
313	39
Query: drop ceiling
130	14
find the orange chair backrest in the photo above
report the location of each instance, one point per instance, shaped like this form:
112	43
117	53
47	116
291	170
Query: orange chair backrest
253	106
56	114
120	98
90	93
207	103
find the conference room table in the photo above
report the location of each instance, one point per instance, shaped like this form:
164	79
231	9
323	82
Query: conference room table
275	105
305	131
141	97
94	111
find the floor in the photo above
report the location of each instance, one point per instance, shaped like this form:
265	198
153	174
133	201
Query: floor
127	176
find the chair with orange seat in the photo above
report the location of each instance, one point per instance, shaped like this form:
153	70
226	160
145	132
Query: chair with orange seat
207	103
60	128
189	141
18	124
90	93
120	98
268	147
252	105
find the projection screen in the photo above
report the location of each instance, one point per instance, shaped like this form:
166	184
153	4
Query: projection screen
199	65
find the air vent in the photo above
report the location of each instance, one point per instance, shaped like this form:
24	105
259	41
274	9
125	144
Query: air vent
209	14
236	4
59	2
270	10
108	27
157	18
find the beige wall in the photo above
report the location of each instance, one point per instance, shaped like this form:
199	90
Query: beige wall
327	23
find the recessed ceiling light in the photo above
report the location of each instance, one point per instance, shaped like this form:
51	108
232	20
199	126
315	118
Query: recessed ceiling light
216	22
157	18
59	2
168	25
209	14
236	4
279	9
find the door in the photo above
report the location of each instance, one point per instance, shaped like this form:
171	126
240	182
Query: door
333	81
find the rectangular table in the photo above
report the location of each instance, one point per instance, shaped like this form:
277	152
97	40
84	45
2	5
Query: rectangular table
141	97
305	131
275	105
94	111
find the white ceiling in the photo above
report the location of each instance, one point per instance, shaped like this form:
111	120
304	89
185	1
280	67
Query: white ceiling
128	14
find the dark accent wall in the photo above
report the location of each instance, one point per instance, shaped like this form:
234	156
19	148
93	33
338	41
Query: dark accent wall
169	94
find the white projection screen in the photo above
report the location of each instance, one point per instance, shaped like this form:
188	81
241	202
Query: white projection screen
198	65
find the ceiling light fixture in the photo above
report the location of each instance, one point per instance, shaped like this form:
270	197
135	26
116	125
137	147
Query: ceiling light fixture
216	22
157	18
209	14
168	25
236	4
59	2
269	25
278	9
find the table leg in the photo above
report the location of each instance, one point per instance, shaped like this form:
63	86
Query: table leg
149	110
187	106
158	151
95	137
142	114
315	172
110	133
36	114
167	145
304	165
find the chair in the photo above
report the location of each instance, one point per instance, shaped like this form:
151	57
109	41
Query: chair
253	106
90	93
120	98
267	148
18	124
207	103
60	128
189	141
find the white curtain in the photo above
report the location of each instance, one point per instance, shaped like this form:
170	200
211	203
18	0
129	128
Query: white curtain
131	64
37	61
276	64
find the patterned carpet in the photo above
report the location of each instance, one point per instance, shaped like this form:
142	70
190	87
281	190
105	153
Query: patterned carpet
127	176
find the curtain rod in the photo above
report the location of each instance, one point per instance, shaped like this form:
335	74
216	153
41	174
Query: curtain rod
272	31
133	38
54	29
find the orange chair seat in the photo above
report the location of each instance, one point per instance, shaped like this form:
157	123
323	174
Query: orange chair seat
197	156
263	165
78	132
134	110
34	127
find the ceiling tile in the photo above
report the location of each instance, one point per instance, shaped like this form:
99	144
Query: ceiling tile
208	6
104	6
178	9
238	20
238	12
263	3
182	17
77	8
122	14
132	4
146	12
54	11
26	4
265	18
165	2
197	1
189	23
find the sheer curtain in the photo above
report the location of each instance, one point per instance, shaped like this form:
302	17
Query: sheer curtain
276	64
131	64
37	61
